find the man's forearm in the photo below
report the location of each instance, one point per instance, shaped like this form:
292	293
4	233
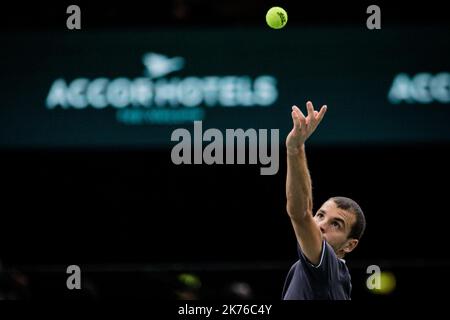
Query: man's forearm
298	185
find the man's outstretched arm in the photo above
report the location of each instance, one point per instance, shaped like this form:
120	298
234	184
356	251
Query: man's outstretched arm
299	204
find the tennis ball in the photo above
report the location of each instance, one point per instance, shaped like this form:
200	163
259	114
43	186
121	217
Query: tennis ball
276	17
190	280
387	283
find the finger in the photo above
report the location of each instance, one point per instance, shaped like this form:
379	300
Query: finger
322	112
310	108
298	111
301	117
302	123
315	114
295	120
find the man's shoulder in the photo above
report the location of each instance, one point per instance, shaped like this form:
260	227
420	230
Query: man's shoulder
327	253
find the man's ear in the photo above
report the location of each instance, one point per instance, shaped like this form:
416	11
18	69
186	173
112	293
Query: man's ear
350	245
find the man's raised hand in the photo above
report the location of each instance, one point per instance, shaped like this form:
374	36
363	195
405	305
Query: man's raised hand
303	126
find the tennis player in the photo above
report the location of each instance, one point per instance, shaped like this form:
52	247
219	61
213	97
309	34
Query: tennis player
324	239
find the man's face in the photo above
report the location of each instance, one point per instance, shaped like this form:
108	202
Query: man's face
335	225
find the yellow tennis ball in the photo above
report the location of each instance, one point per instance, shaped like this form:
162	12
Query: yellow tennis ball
387	283
190	280
276	17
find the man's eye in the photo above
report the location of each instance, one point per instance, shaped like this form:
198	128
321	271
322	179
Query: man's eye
335	224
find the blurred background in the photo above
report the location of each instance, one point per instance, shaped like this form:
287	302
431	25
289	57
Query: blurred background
86	118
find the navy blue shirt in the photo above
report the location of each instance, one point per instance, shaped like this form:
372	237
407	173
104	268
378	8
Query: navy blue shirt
329	280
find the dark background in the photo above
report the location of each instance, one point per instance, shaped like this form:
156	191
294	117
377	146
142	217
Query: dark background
201	13
133	221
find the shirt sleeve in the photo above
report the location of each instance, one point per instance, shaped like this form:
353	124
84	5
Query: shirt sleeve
328	264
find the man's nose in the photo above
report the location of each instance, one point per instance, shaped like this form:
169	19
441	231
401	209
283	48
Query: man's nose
322	229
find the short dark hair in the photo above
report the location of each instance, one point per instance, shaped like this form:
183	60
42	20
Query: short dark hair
350	205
